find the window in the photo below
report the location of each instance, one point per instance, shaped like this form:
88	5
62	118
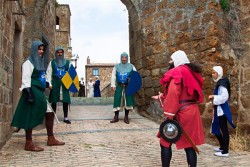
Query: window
57	22
95	71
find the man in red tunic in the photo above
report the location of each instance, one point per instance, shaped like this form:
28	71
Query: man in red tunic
183	90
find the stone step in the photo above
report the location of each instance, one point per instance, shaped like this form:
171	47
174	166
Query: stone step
92	100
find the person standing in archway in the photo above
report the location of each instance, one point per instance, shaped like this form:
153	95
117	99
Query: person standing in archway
183	91
119	80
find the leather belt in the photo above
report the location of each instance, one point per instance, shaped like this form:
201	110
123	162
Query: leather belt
123	85
187	101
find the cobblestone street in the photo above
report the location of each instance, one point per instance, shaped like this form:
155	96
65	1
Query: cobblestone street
91	140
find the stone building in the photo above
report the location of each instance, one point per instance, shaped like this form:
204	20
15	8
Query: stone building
63	37
21	22
103	71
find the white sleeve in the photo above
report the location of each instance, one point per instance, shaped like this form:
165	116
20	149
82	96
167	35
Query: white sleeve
113	77
49	74
27	69
222	96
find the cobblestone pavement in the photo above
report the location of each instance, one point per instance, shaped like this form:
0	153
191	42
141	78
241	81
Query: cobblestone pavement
92	141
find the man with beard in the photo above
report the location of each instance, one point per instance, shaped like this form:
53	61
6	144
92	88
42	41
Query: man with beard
58	92
119	80
183	91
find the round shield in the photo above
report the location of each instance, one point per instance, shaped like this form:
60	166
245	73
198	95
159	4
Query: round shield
134	83
170	130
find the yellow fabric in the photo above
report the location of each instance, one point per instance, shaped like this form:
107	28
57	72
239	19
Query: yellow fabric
76	82
68	81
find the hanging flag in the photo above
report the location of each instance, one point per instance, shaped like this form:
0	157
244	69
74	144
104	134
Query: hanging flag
71	80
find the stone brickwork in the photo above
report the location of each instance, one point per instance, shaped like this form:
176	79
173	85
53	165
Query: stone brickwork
244	68
107	91
105	70
21	22
157	28
63	37
11	26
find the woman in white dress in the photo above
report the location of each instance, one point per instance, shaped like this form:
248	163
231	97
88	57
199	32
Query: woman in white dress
90	88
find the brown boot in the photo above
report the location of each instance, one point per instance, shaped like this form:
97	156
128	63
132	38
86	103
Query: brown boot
29	146
126	119
53	142
49	126
116	117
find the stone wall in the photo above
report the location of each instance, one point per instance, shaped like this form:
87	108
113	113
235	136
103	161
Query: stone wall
39	24
107	91
63	37
244	67
11	26
21	22
157	28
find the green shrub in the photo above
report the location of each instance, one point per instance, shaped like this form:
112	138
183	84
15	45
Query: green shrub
225	4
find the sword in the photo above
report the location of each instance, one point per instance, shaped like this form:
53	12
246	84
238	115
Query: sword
53	112
190	141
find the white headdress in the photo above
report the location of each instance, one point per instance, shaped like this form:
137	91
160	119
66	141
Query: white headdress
179	57
219	71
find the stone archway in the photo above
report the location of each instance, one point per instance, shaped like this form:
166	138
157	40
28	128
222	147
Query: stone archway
158	28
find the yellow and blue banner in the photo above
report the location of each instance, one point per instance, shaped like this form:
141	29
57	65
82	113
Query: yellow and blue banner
71	80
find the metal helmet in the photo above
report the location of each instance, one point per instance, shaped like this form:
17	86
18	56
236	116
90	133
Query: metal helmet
170	130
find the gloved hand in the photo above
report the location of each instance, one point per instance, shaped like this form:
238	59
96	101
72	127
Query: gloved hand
28	94
47	84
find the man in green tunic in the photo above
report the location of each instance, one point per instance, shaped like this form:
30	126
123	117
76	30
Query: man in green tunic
56	70
32	106
119	80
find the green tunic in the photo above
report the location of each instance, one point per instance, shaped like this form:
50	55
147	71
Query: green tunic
57	84
118	97
29	115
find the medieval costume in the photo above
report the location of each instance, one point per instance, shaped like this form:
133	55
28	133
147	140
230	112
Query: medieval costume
222	113
56	70
32	106
90	88
183	90
119	79
97	92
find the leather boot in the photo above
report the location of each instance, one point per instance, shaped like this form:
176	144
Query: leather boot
126	119
116	117
49	126
53	142
29	146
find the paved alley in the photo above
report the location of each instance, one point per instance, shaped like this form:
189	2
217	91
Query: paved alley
91	140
